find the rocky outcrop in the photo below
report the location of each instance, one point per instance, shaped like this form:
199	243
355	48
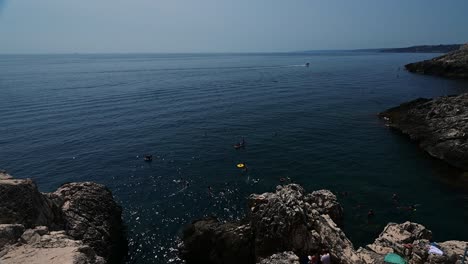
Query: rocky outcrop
40	246
286	220
440	126
90	214
210	241
411	241
22	203
84	220
453	64
288	223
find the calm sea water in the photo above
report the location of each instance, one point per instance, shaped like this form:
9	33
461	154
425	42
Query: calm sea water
92	117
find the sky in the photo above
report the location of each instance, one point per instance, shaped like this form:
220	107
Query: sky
126	26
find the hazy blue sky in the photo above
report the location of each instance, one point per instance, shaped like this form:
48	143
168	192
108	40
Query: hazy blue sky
43	26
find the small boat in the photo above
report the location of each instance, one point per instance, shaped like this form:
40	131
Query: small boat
307	64
148	157
240	144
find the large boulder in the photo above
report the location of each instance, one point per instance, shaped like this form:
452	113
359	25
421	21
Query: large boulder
21	203
85	212
282	221
10	233
287	220
395	238
90	214
325	202
440	126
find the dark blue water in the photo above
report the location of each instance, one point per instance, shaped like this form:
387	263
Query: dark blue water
92	117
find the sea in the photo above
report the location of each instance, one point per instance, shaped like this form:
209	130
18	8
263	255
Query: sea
93	117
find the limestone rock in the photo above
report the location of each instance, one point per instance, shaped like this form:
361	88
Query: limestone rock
326	203
10	233
85	212
282	221
210	241
4	175
281	258
453	64
394	237
52	248
411	241
22	203
333	239
285	220
90	214
440	126
288	223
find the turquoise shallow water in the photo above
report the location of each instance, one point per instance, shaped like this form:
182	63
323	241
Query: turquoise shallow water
92	117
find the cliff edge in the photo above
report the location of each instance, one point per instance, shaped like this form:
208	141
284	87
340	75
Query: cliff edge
80	223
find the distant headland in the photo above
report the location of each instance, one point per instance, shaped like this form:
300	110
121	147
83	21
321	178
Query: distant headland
442	48
424	49
453	64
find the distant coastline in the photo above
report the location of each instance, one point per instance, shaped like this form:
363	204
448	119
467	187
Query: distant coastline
443	48
425	49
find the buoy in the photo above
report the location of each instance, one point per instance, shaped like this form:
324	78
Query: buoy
240	165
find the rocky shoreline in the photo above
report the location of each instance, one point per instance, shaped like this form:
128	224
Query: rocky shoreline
80	223
439	126
288	223
453	64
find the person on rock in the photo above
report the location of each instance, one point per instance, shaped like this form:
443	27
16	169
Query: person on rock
325	257
314	259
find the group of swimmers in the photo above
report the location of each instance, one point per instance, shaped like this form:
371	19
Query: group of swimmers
396	200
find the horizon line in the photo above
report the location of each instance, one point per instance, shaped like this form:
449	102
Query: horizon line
219	52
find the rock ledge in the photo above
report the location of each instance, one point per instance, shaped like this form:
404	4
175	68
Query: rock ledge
79	223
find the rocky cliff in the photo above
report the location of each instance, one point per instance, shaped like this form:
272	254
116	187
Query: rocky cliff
453	64
79	223
288	223
439	126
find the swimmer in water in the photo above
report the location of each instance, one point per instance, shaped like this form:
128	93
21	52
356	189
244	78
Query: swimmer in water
210	191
